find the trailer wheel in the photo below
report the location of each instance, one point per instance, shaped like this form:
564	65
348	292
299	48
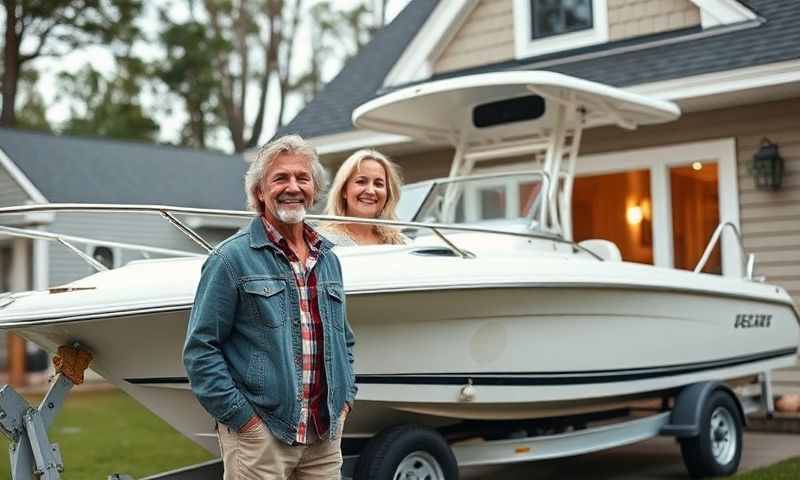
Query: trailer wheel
716	451
407	452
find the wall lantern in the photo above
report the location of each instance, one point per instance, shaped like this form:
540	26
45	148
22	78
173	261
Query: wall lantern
767	166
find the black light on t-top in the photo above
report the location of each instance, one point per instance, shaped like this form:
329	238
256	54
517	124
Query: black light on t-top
767	166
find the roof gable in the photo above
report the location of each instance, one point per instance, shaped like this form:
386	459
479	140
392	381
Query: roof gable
688	52
83	170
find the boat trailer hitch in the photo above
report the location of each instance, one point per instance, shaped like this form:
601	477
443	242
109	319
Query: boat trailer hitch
32	454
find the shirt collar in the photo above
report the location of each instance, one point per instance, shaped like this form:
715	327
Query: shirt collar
263	234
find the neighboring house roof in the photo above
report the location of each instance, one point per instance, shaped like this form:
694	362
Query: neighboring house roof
361	77
628	62
86	170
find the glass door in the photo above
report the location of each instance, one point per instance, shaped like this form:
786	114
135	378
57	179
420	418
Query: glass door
695	214
615	207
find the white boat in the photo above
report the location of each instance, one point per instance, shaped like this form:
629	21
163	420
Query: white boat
503	321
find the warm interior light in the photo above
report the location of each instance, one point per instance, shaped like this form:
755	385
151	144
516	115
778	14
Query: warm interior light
697	166
634	215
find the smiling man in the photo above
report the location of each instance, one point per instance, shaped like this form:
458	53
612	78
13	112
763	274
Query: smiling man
268	350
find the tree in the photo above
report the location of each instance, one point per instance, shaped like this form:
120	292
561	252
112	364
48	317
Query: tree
54	28
188	74
32	114
108	107
336	36
259	33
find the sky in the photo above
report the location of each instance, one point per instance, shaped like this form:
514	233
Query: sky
171	121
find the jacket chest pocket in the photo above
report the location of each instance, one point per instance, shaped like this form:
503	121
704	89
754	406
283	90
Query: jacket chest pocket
334	299
268	300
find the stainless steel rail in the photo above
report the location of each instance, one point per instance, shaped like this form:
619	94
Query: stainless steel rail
168	211
748	264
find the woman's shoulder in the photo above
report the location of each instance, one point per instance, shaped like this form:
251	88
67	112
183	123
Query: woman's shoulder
335	235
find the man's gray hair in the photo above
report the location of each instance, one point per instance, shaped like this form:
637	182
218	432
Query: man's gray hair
291	144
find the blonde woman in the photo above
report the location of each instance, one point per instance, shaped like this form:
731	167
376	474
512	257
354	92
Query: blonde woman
367	185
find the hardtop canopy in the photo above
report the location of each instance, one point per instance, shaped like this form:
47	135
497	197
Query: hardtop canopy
443	110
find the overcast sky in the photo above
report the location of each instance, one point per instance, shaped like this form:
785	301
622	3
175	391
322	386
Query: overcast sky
170	123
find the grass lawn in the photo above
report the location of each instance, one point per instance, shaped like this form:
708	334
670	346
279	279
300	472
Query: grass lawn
104	432
786	470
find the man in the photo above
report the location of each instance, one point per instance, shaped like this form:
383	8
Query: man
269	351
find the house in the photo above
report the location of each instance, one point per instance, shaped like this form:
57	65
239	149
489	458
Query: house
658	191
44	168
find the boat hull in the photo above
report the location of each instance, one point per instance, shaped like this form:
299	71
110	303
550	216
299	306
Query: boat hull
524	351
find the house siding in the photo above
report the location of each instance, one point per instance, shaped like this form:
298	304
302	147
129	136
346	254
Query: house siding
150	230
631	18
11	194
487	34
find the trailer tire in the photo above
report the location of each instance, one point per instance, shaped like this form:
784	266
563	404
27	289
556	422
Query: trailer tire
717	449
409	448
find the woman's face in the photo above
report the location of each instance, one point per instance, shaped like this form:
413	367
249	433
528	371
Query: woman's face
365	192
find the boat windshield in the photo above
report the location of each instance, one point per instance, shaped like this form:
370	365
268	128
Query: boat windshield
496	200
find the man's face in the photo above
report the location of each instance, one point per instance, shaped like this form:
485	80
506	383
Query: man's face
287	189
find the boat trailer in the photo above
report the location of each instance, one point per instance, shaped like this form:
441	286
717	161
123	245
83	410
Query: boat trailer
687	418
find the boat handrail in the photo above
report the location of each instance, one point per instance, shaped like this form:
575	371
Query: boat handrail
748	264
168	212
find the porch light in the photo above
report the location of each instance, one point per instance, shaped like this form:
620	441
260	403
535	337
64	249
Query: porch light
767	166
634	215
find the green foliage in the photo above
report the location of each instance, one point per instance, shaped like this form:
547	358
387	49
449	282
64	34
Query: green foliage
32	114
189	74
107	108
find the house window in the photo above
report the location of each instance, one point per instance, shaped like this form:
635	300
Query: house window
548	26
554	17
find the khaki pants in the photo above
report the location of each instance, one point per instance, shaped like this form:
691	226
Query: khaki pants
258	455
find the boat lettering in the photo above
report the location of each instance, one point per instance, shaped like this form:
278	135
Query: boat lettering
752	320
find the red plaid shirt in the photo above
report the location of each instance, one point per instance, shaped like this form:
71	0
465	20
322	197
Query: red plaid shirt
313	405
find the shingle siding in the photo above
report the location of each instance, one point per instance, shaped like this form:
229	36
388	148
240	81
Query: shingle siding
487	34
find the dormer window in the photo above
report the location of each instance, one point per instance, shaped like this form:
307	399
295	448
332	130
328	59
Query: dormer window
555	17
547	26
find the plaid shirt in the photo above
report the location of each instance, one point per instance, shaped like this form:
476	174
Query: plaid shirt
313	405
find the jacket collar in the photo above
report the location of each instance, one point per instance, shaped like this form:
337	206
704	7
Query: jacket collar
259	239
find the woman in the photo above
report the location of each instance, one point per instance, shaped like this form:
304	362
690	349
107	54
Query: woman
367	185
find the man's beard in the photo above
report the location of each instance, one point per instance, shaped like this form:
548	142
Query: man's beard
291	215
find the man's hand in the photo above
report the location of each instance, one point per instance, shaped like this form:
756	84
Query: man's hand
250	425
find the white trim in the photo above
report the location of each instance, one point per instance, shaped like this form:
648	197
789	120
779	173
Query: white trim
22	180
41	263
762	76
355	139
416	62
524	47
714	13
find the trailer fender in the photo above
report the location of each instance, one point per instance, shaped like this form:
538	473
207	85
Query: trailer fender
684	421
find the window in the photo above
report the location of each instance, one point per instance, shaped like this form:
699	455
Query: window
547	26
554	17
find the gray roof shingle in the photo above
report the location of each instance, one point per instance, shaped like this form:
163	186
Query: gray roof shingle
86	170
776	40
361	77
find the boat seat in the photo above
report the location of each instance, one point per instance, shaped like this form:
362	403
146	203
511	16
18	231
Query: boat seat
604	249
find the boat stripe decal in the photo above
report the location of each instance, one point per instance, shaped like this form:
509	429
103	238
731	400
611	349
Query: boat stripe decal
532	378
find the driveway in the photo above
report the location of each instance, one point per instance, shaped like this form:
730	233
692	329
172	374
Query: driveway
656	459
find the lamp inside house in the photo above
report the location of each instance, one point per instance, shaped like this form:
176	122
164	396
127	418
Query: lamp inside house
767	166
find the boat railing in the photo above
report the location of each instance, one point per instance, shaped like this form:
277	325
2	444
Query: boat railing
748	260
169	213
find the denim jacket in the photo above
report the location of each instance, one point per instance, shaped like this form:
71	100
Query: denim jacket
243	352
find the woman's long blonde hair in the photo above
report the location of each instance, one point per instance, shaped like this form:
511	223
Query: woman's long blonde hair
337	204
